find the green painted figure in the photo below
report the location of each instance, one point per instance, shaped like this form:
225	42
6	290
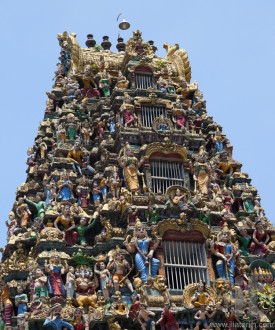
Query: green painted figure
39	205
82	228
152	215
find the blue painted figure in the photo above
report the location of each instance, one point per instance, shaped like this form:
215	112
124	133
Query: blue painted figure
142	244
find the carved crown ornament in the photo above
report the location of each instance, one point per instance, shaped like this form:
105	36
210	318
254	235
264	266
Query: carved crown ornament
166	147
181	225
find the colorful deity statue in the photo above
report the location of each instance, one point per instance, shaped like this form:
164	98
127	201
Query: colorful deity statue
114	182
244	241
226	252
30	160
247	200
201	175
231	318
130	165
219	141
86	133
12	225
201	317
140	51
83	193
61	134
259	240
21	301
82	228
72	90
127	111
104	279
72	126
120	269
146	317
87	83
226	170
70	279
105	83
143	248
55	269
85	288
112	122
180	114
39	205
65	223
122	82
167	320
96	193
79	322
201	296
65	187
23	212
152	214
40	284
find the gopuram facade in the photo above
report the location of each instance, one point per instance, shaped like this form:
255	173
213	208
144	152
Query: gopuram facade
134	213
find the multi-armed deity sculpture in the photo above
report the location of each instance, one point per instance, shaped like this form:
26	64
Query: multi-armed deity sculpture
134	213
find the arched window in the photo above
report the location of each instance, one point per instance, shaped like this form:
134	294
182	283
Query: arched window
166	171
144	78
184	258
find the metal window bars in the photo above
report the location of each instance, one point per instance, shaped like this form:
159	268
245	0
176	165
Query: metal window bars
185	263
144	80
149	113
165	174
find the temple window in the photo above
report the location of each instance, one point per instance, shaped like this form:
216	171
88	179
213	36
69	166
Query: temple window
166	171
185	262
144	78
149	113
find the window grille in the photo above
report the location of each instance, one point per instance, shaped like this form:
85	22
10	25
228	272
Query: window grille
165	174
185	263
149	113
144	80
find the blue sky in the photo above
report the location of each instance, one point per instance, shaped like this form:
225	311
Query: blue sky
231	48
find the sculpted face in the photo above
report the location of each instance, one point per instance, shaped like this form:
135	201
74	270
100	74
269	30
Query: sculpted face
140	232
56	259
102	266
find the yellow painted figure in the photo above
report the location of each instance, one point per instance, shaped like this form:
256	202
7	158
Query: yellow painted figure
130	165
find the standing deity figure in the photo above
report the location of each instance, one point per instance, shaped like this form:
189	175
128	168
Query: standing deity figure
115	182
23	212
219	141
72	90
105	83
144	248
112	122
127	111
65	223
226	252
21	301
30	160
180	114
83	193
201	175
120	269
55	269
72	126
42	147
140	48
122	82
130	165
70	279
104	279
162	85
12	225
247	200
88	84
86	134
